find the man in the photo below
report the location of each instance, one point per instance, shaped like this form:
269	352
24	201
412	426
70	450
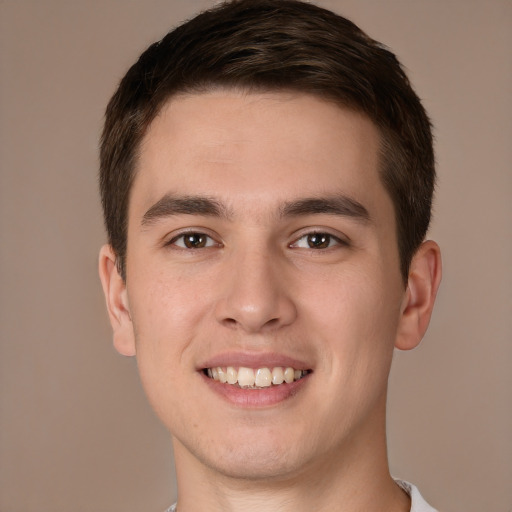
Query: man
267	175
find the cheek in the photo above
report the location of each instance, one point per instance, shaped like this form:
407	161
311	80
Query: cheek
166	306
355	325
166	316
356	316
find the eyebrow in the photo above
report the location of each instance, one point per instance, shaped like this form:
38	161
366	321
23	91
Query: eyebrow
171	205
335	205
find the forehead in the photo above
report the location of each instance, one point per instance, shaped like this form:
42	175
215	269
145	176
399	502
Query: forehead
252	146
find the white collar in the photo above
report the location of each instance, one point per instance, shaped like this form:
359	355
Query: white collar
418	504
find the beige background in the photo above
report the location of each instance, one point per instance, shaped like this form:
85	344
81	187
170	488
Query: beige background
75	431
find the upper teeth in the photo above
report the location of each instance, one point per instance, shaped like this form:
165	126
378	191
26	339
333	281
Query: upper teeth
259	377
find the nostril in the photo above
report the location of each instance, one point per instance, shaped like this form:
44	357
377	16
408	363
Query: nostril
234	324
229	322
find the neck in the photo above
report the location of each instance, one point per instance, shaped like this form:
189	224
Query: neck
353	478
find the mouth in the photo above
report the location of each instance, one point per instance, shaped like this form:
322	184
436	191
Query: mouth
255	378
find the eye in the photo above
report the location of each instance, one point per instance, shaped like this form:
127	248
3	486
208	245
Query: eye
317	240
193	240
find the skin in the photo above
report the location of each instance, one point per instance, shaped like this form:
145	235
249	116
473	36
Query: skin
258	290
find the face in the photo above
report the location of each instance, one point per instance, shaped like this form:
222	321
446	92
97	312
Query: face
260	238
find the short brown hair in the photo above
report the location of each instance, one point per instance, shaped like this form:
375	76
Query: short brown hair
267	45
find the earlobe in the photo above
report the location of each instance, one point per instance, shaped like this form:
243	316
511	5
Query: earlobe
423	283
114	288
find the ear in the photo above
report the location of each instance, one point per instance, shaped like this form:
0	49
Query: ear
422	285
114	288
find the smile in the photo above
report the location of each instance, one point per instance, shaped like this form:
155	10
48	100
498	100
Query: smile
258	378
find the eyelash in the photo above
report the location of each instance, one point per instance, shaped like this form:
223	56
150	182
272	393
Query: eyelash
323	235
182	236
209	241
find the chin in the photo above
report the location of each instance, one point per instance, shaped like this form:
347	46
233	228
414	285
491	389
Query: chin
256	467
249	460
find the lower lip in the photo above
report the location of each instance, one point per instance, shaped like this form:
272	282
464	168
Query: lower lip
256	398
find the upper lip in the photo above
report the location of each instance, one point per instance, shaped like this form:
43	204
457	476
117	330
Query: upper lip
253	360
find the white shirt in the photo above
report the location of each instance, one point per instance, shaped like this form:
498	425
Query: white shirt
418	504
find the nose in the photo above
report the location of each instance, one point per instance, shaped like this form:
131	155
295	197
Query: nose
256	294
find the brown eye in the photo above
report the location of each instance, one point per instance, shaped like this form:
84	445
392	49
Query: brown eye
319	240
193	240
